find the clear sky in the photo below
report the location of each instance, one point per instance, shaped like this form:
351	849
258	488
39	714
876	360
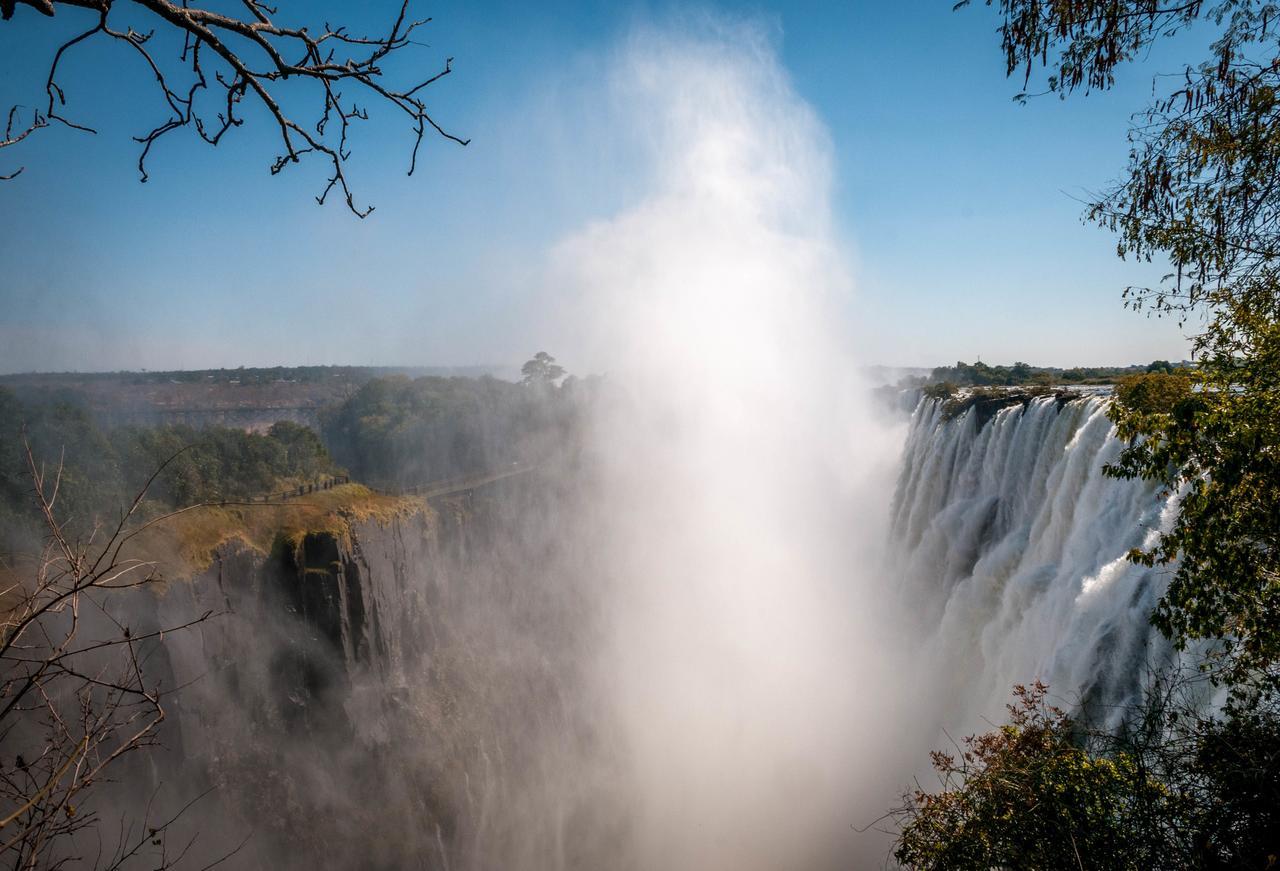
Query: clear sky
958	208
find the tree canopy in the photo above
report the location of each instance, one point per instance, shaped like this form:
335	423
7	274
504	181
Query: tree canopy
1200	192
542	369
101	468
1178	787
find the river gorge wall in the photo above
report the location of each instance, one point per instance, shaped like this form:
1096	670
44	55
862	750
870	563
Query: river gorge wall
438	688
413	693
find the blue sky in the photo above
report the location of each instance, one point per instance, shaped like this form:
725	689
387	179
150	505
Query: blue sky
958	208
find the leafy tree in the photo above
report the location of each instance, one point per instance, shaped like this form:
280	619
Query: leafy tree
542	369
61	433
940	390
1152	393
1027	795
1200	192
1221	447
401	431
983	375
100	470
219	463
305	456
1176	788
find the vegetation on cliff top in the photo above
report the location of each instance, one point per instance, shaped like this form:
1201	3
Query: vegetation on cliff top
102	469
399	431
1178	788
185	543
1020	374
394	432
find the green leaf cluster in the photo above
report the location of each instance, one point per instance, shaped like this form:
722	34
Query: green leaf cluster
397	430
1027	795
1176	789
102	469
1201	193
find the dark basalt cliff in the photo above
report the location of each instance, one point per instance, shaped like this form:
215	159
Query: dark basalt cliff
392	697
987	402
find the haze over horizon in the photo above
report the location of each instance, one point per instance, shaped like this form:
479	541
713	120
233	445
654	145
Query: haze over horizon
838	501
961	224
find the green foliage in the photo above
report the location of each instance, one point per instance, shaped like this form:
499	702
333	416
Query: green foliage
1229	775
1179	789
1021	374
218	463
1200	192
60	432
943	390
1220	447
1174	789
1026	795
305	456
402	431
103	469
1154	392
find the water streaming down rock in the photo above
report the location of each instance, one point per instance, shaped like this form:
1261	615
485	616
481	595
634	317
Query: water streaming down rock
419	693
1013	549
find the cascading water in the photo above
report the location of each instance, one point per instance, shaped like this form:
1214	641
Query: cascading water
1013	549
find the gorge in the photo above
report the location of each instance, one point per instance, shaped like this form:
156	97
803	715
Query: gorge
439	688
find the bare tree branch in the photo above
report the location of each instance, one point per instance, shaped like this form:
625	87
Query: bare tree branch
73	705
252	57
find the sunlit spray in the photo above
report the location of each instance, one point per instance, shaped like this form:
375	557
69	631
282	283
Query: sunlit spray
742	470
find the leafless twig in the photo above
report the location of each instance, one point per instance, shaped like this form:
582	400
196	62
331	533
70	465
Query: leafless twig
225	59
73	703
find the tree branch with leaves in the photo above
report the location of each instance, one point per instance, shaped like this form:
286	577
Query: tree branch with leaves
1200	192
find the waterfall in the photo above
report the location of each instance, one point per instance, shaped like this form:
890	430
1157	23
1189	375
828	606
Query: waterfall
1011	550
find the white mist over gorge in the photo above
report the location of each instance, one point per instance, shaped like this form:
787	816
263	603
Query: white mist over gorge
743	467
700	590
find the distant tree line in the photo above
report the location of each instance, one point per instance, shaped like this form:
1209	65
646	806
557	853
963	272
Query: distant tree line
238	375
104	468
980	374
390	432
398	431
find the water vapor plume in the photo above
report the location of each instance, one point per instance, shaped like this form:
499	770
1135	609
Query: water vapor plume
744	478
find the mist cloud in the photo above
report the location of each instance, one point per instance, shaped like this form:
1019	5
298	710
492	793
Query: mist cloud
743	468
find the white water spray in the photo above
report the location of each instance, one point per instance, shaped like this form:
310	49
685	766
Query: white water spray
1014	545
741	472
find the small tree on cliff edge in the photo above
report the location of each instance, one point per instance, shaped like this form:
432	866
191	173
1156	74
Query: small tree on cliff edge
216	61
541	370
1200	191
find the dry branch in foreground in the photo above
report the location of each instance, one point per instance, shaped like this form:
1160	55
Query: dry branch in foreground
226	59
76	697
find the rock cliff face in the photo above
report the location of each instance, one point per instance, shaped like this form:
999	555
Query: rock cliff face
411	694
